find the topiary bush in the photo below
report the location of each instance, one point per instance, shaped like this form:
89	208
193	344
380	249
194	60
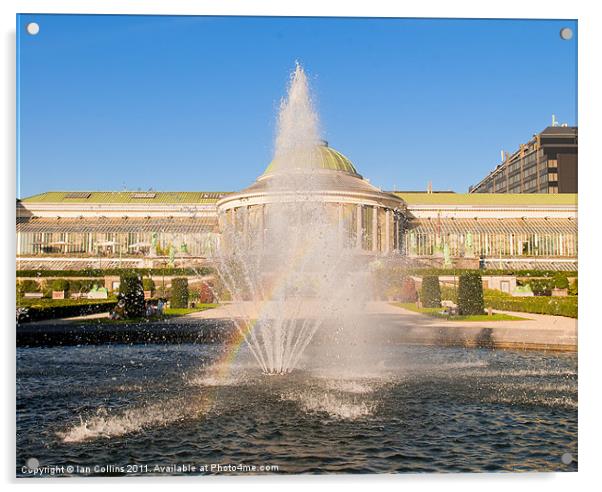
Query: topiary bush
408	290
60	285
179	292
131	292
470	294
430	293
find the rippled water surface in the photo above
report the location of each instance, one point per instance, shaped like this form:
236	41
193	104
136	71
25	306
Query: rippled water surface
420	409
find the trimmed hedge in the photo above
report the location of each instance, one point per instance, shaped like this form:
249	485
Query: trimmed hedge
96	272
557	306
63	309
179	293
132	294
470	294
458	271
430	293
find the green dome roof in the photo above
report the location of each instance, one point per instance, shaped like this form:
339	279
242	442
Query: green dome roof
326	158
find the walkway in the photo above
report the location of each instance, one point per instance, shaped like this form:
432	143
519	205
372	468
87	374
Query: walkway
536	331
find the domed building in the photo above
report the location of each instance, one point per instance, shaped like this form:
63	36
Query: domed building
74	230
368	219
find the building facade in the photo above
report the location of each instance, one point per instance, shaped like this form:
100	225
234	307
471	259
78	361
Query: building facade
545	164
75	230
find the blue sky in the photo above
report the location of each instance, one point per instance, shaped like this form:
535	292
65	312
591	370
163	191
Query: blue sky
189	103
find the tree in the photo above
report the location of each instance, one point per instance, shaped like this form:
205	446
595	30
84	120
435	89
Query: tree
179	292
470	294
28	286
148	284
430	292
60	285
132	294
408	290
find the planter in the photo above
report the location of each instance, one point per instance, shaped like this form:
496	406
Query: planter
33	295
560	292
58	294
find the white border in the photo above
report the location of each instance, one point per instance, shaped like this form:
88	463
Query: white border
590	112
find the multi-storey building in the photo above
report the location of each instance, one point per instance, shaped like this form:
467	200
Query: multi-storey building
545	164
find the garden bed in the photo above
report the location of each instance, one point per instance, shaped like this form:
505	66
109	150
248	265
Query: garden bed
438	313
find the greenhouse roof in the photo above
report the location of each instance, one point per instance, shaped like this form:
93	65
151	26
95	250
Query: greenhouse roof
488	199
193	197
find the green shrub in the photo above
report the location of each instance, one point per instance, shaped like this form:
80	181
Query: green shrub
430	293
179	292
148	284
60	285
130	291
470	294
541	286
557	306
75	286
573	288
83	285
27	286
561	281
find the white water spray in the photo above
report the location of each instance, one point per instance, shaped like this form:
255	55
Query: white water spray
290	273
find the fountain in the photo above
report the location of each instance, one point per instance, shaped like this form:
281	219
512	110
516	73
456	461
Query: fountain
289	270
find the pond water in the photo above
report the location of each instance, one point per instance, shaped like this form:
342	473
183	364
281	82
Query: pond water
141	409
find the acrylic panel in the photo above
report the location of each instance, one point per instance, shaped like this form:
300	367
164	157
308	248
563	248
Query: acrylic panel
277	245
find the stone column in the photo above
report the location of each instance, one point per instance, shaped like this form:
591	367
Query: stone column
261	226
358	227
375	228
387	231
245	219
340	228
